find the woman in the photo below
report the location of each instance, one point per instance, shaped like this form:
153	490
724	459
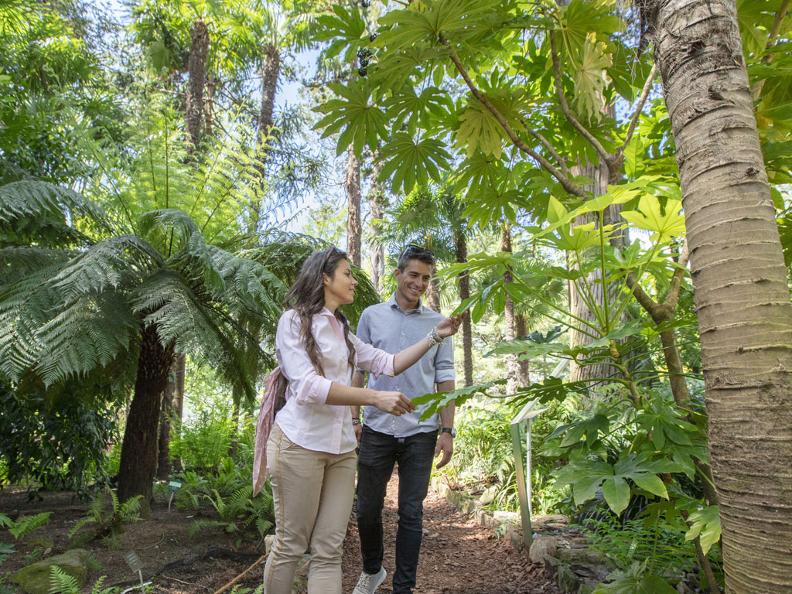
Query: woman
311	450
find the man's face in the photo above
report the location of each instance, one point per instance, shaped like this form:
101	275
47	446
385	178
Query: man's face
414	279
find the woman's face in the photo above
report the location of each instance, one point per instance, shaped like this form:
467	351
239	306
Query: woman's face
341	286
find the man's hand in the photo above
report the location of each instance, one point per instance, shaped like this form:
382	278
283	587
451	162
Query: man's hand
449	326
445	445
358	431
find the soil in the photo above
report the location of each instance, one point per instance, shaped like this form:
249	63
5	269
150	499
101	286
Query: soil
457	556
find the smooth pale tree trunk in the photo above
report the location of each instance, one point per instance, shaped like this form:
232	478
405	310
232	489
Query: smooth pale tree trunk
196	67
377	206
460	247
517	369
139	447
352	187
742	298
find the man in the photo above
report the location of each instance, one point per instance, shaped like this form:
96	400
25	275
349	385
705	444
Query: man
407	441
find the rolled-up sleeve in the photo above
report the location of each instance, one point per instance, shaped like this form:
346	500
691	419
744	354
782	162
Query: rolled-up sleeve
305	384
371	358
444	362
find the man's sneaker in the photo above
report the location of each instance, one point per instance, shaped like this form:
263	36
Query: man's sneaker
368	583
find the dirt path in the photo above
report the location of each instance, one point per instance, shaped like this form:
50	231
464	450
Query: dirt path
457	556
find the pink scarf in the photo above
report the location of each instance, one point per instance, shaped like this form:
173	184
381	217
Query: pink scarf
263	427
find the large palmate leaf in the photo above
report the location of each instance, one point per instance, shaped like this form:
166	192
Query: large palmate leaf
412	160
345	30
353	114
587	476
591	78
664	223
479	131
415	109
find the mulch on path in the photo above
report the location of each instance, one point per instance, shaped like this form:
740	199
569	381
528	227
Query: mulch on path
458	556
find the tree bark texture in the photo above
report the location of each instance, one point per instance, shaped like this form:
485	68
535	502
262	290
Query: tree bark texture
517	369
377	206
352	186
460	247
269	88
139	447
598	174
742	298
196	67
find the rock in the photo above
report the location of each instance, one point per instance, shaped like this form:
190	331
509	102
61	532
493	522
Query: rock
583	557
501	517
488	496
543	547
567	580
35	578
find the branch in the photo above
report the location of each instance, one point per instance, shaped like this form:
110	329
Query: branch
638	109
546	143
568	185
676	281
604	155
650	305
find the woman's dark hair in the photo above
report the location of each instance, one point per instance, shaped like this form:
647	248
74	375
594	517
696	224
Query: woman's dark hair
307	298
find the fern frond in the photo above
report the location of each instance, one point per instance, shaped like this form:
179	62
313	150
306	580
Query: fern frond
27	524
264	526
88	333
130	509
199	526
36	205
17	262
62	583
79	525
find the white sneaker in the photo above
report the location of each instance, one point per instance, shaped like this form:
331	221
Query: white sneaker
368	583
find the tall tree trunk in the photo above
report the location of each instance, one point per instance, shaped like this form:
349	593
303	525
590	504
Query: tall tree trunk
270	72
352	186
139	447
377	206
433	294
599	176
515	325
742	298
460	246
166	420
196	66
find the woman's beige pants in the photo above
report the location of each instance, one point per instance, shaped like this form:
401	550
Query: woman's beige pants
313	500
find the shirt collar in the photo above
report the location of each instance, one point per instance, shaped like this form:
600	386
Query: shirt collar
393	303
326	312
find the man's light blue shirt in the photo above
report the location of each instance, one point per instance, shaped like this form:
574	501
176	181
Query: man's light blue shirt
388	327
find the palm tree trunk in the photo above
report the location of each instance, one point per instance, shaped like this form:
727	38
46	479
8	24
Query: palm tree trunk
515	325
139	447
742	297
269	89
196	65
460	246
352	186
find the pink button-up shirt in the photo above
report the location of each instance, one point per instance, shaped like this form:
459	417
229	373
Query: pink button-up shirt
306	418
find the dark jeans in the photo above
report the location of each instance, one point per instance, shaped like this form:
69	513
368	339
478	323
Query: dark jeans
378	453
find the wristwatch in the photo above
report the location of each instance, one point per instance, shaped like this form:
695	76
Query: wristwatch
449	430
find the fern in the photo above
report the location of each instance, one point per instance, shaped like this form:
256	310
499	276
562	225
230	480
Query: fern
27	524
98	587
62	583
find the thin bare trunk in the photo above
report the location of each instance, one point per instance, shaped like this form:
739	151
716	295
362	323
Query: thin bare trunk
196	66
515	325
460	246
377	205
352	186
433	294
742	298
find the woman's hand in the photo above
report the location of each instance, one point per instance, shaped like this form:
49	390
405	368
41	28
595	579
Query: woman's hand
449	326
394	403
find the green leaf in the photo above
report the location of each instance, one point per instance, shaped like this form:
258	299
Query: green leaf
651	483
617	493
430	404
706	525
591	77
664	224
411	160
355	116
479	130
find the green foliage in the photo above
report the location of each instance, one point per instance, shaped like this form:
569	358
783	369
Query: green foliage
635	580
24	525
108	515
706	526
240	512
